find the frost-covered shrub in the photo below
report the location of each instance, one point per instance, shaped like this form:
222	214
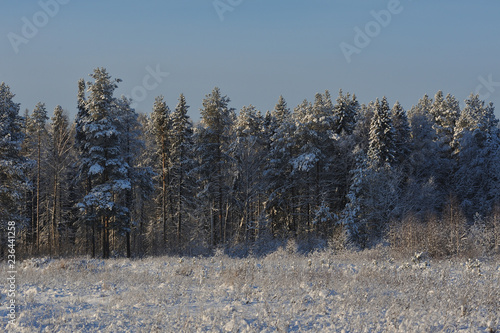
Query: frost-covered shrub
36	262
407	236
479	239
473	266
291	246
418	261
445	236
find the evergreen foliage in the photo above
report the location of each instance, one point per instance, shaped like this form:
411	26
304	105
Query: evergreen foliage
120	183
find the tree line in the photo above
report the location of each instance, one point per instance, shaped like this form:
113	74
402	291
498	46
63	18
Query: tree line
115	182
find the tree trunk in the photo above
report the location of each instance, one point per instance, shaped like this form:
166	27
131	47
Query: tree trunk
179	206
89	184
212	225
128	198
54	211
59	219
221	226
38	196
127	236
163	200
226	219
105	239
103	223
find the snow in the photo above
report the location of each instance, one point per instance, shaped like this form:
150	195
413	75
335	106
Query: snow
96	169
282	291
304	162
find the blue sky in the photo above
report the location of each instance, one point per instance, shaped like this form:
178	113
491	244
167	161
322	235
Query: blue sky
260	50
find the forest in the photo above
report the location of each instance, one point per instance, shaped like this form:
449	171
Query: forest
337	173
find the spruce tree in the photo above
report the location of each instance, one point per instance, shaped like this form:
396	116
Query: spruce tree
402	133
423	193
281	112
353	217
444	112
477	137
344	113
315	146
183	164
381	151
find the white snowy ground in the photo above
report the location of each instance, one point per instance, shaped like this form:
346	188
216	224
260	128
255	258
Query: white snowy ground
321	292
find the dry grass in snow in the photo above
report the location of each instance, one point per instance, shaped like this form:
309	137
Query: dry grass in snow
281	292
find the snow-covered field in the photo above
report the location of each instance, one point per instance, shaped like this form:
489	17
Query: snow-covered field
321	292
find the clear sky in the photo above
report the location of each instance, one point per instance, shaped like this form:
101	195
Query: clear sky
260	49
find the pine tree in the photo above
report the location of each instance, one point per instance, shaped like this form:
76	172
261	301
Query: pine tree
28	210
278	179
81	125
212	142
313	135
139	175
82	116
476	117
13	166
39	118
147	237
106	167
445	113
162	127
249	150
59	159
361	133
